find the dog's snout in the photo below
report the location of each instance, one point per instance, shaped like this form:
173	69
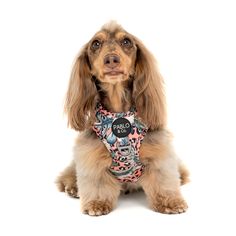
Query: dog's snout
111	60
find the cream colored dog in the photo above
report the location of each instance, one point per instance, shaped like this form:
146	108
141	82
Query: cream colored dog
116	70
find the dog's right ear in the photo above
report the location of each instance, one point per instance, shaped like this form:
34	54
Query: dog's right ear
81	95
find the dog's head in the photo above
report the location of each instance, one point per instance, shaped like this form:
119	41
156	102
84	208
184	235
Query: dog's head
114	56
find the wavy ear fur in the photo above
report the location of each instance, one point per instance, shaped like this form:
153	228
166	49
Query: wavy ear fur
148	92
81	94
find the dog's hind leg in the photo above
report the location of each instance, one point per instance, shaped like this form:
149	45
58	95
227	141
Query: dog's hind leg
67	181
184	174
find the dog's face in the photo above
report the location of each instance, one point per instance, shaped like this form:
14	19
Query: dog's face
112	56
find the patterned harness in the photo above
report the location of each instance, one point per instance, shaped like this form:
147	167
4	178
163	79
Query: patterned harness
122	134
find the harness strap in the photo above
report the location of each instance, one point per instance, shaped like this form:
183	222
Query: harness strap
122	134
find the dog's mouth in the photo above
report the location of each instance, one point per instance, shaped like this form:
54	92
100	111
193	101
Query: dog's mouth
113	72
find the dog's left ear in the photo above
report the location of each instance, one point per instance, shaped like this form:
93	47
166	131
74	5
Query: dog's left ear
148	92
81	95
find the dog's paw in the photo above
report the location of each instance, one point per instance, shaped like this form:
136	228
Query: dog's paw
170	205
97	208
72	191
68	186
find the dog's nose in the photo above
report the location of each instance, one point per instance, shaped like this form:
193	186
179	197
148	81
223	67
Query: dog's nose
111	60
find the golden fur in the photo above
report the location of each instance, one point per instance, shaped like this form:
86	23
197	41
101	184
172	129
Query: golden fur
114	67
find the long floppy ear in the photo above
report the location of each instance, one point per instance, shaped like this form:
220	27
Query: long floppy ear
148	92
81	95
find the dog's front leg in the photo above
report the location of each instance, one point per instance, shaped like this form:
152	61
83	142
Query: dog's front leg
98	189
98	193
161	184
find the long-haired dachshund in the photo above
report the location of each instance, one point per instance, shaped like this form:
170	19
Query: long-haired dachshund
116	100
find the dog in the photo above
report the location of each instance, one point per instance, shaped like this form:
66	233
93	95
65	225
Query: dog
116	100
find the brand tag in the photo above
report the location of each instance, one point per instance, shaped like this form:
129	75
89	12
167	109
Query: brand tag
121	127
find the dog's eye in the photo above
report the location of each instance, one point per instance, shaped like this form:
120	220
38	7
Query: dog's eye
96	44
126	42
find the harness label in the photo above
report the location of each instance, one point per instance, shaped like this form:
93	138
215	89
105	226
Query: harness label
121	127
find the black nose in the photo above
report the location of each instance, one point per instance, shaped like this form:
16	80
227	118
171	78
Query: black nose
111	60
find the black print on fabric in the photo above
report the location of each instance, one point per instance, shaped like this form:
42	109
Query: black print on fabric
121	127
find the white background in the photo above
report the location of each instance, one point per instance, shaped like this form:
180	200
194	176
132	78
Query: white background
194	43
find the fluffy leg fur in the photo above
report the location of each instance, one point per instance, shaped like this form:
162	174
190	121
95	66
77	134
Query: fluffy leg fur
184	174
67	181
161	180
99	190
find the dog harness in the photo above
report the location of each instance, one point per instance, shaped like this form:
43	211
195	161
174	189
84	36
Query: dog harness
122	134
